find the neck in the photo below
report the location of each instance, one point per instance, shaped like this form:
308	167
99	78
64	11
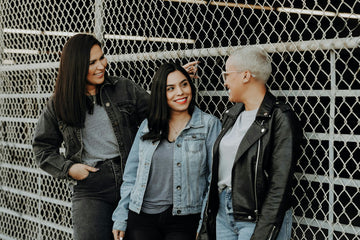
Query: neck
177	123
255	99
176	117
91	90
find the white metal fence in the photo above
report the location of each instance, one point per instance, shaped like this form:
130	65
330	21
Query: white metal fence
316	60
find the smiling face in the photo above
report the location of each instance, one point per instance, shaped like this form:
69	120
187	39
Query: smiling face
178	92
97	68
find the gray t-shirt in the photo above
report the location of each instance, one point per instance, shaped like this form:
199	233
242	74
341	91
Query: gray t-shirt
98	137
229	145
159	191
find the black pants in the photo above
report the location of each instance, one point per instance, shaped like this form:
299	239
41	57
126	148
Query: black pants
94	200
162	226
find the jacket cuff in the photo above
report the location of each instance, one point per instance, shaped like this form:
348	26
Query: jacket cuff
67	166
265	232
120	226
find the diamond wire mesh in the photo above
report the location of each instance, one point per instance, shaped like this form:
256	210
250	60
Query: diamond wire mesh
315	52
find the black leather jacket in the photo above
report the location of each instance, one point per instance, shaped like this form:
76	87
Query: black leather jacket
262	171
126	105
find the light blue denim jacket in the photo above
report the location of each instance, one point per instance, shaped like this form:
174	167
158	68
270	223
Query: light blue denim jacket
191	168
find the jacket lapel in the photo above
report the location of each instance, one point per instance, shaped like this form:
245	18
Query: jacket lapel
258	128
228	121
255	132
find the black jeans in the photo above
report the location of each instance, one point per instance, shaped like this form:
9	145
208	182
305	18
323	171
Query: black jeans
162	226
94	200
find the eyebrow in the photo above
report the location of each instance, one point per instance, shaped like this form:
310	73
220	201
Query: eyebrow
92	60
180	82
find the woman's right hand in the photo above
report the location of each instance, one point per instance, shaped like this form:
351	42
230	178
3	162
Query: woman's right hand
191	68
118	235
79	171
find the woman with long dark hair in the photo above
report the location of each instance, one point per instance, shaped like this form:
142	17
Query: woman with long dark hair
96	117
167	172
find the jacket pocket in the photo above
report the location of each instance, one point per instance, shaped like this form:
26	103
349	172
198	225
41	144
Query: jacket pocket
126	114
70	140
195	151
196	167
195	142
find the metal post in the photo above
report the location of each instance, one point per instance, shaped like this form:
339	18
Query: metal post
331	143
39	177
99	27
2	44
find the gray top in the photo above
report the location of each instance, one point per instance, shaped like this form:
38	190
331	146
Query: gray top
98	137
229	145
159	191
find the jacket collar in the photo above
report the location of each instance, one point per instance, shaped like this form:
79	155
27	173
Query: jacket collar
196	120
257	130
264	111
110	80
266	106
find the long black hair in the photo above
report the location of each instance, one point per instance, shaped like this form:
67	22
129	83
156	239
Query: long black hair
70	98
159	114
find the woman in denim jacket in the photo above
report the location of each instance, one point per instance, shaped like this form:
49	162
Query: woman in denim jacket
167	174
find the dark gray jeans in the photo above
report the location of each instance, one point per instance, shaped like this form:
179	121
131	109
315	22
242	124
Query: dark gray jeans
94	200
161	226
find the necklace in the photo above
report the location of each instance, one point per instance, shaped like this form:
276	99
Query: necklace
176	131
93	98
173	134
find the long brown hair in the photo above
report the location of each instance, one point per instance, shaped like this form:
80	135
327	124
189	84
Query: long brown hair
69	96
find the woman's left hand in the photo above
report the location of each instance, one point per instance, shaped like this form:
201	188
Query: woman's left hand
191	68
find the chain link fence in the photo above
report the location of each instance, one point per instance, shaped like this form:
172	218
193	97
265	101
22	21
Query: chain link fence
316	60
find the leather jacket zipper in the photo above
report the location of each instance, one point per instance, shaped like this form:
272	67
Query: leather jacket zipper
255	181
272	232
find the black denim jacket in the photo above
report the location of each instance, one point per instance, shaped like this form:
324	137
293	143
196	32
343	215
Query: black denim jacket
126	105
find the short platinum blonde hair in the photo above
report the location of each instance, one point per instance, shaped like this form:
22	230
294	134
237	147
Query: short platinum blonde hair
253	59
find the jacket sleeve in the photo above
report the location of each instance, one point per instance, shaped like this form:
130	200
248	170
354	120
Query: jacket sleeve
120	215
46	143
213	132
282	161
142	103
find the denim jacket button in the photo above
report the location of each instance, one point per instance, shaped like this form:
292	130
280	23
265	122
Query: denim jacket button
178	211
178	145
193	136
178	187
178	164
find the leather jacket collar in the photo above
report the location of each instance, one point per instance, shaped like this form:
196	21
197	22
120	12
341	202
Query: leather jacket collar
264	111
